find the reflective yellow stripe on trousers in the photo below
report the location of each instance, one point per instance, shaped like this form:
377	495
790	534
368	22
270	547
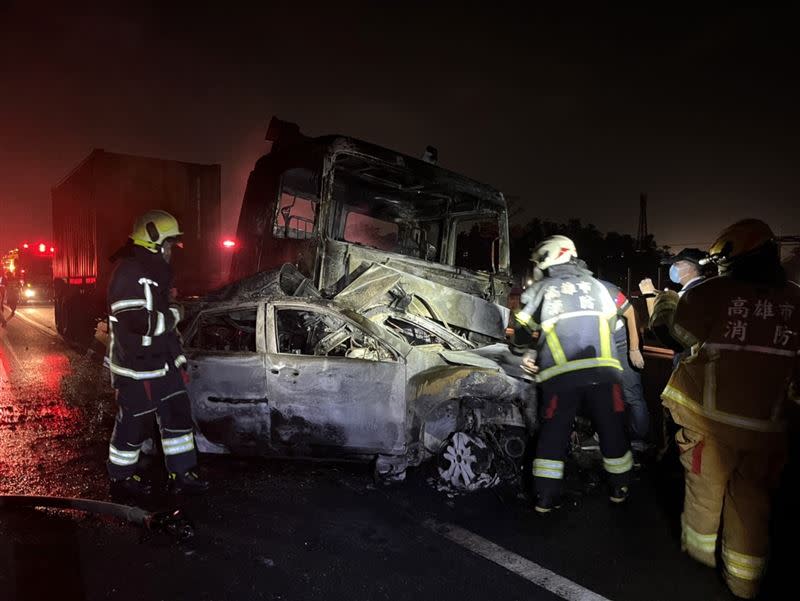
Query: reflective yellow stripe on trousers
618	465
739	565
705	543
548	468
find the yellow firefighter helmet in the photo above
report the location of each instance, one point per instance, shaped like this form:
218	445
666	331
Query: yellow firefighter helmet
152	228
739	239
555	250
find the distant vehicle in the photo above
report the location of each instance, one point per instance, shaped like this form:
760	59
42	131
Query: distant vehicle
94	208
333	206
32	267
276	373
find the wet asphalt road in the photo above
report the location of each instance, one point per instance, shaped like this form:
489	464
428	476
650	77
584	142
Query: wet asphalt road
275	529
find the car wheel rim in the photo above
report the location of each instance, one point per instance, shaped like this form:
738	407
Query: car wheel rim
466	463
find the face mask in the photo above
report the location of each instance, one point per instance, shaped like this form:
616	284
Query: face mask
674	274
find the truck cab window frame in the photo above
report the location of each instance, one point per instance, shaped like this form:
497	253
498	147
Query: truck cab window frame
297	206
387	208
476	242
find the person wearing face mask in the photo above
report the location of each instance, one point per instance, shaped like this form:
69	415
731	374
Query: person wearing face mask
685	269
146	361
575	361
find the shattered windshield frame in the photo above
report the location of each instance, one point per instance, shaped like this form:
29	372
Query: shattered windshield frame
395	210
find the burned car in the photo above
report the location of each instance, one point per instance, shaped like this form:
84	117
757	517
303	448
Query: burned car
278	370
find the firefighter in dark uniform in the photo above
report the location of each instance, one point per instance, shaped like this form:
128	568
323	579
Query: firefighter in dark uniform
146	361
575	363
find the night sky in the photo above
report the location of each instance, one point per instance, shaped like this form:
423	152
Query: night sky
574	113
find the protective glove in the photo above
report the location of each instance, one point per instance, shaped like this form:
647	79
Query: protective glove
646	286
635	355
529	363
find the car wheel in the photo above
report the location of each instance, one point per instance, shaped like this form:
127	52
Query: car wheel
466	462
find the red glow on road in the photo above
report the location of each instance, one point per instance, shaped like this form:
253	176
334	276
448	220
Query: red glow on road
53	368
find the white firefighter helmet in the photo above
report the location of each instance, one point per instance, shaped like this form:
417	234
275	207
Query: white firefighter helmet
555	250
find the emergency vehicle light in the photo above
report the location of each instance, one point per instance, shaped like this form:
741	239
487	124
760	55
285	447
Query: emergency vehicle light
228	243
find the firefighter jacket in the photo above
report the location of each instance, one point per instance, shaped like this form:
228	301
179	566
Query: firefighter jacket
143	342
735	384
575	315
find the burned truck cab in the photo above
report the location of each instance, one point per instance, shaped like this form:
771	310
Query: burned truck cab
431	241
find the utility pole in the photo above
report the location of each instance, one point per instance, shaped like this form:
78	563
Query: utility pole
641	236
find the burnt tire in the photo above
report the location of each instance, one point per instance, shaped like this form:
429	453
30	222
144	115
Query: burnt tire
466	462
60	318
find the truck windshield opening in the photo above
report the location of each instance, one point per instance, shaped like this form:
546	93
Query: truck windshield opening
392	209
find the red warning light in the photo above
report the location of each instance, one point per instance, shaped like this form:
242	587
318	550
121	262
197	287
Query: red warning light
229	243
42	248
25	245
52	249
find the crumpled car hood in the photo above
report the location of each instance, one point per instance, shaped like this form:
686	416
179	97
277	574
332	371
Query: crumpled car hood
382	285
492	357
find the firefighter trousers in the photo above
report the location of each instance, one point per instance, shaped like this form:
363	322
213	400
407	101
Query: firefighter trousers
733	486
139	402
560	403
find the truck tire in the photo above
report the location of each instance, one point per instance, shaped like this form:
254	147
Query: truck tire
58	310
78	324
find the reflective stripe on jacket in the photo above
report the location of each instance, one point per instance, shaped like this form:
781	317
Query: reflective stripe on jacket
142	339
745	350
575	314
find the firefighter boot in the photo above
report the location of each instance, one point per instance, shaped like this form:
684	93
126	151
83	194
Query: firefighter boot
547	502
618	494
130	487
188	483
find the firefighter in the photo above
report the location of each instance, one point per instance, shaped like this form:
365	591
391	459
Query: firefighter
146	361
12	290
731	397
576	363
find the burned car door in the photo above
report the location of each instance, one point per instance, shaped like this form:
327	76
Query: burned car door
228	388
335	386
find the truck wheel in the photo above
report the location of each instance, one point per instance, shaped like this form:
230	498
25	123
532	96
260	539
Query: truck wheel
58	310
76	328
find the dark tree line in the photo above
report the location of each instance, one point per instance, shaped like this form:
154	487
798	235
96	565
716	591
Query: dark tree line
611	256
